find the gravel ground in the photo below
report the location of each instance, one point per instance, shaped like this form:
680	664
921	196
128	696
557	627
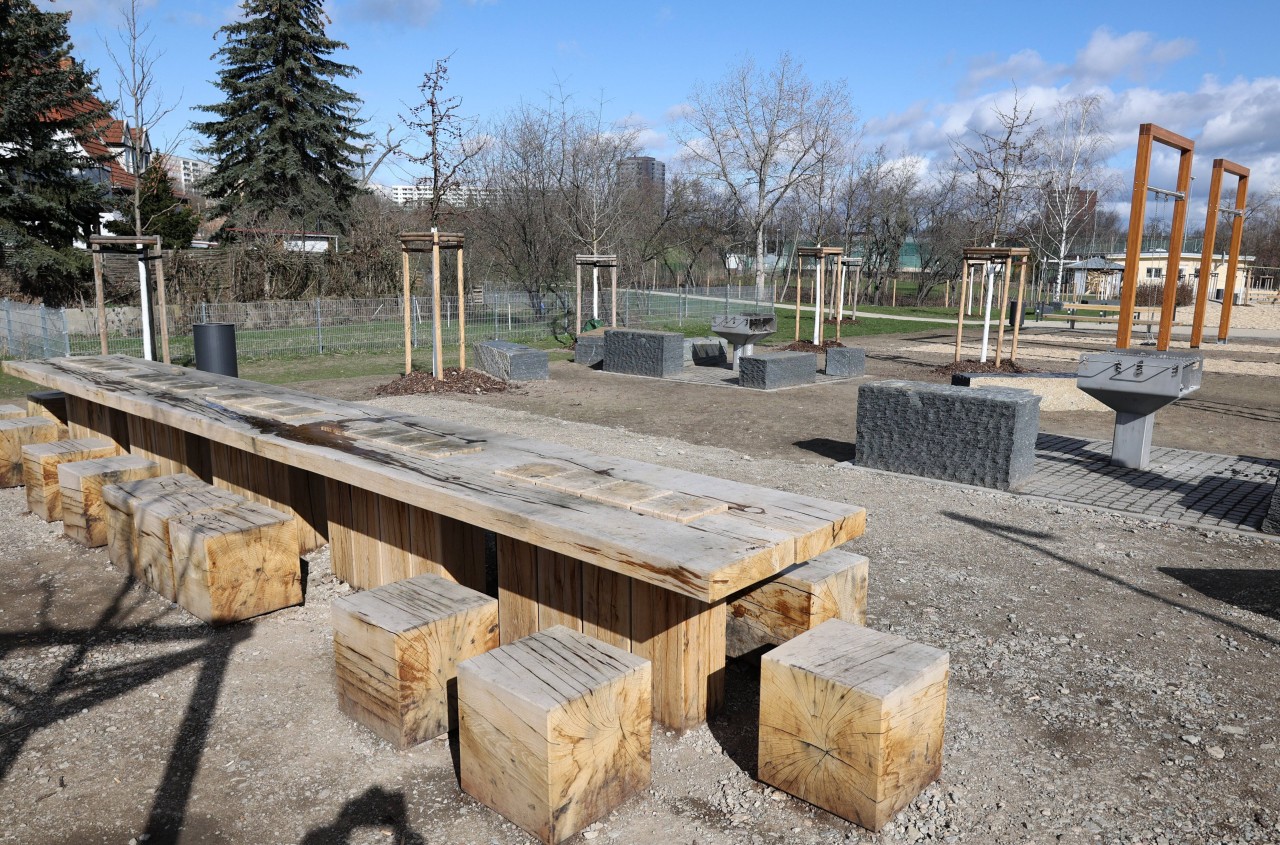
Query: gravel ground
1112	681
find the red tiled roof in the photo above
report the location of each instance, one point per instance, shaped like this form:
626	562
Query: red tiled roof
95	142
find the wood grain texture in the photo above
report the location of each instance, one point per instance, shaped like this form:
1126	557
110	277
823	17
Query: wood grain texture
396	651
16	433
121	501
40	463
831	586
153	561
517	589
554	730
235	563
760	533
684	638
851	720
12	412
50	404
84	514
274	484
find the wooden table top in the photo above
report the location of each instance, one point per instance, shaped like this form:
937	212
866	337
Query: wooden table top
699	536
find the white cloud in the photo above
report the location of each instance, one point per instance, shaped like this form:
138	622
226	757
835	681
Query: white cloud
1135	56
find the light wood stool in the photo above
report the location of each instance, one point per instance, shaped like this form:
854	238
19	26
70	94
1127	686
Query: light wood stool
12	412
831	586
50	404
851	720
16	433
122	501
554	730
397	648
40	462
84	515
236	562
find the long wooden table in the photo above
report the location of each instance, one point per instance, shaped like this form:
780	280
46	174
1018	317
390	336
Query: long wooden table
640	556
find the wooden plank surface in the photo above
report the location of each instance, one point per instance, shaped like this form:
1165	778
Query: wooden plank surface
758	534
40	463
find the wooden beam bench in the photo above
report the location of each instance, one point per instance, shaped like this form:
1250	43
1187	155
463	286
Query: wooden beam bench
640	556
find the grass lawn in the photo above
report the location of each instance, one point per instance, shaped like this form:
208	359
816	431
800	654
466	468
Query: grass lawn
12	389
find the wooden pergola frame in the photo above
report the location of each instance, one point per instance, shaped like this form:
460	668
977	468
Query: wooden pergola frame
152	252
1149	134
984	256
595	262
433	242
821	253
847	261
1220	167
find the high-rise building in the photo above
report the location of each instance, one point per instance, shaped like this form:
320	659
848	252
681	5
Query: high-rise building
644	172
186	173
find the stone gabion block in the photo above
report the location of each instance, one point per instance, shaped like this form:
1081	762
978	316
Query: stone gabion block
705	352
846	361
1271	522
773	370
986	438
589	350
643	353
511	361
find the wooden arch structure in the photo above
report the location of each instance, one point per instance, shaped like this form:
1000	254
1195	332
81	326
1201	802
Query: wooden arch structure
1220	166
433	242
821	254
149	250
595	262
993	256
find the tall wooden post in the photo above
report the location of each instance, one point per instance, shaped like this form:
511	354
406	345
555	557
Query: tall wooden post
408	325
1233	260
100	295
840	300
577	307
964	289
1017	319
613	295
799	287
1004	307
819	302
437	324
1179	227
857	284
161	304
462	316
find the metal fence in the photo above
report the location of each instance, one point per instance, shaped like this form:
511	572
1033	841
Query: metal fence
304	328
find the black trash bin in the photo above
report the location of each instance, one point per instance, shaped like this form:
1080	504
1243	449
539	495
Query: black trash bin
216	348
1013	310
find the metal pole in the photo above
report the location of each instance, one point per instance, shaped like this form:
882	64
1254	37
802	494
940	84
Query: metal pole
319	330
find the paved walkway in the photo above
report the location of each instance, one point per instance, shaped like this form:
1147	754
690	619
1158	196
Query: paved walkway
1192	487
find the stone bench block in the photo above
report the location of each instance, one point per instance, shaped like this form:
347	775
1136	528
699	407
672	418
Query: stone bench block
845	361
981	437
511	361
554	730
851	720
799	598
40	462
705	352
773	370
643	353
16	433
589	350
397	648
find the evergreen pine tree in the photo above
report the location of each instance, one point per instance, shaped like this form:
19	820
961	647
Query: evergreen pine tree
282	140
160	210
49	194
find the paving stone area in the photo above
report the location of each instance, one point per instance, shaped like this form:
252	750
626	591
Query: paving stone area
1227	491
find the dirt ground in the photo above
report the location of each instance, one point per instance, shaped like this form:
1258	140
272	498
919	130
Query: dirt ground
1112	680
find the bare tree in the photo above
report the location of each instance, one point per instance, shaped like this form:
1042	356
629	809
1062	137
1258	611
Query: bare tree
761	134
878	214
141	100
1004	166
1072	178
450	144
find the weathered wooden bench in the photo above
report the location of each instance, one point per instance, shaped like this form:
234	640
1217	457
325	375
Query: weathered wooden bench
40	462
84	514
15	433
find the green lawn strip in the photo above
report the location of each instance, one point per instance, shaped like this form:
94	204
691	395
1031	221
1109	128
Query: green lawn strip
14	390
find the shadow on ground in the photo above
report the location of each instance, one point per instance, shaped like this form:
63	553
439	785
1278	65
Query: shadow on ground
1254	590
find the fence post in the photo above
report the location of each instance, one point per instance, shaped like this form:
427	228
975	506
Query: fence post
319	330
204	312
66	334
10	346
414	317
44	333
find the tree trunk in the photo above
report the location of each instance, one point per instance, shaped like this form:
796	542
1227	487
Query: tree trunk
760	288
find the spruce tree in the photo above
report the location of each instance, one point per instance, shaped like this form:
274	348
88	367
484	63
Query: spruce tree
49	194
282	140
159	210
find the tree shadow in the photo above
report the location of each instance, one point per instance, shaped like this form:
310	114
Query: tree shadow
1254	590
375	807
73	687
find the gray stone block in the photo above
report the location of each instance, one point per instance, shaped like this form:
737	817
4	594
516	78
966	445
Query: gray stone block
1271	522
982	437
511	361
705	352
846	361
772	370
589	350
643	353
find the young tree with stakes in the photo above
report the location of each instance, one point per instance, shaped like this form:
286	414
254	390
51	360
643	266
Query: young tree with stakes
285	138
450	145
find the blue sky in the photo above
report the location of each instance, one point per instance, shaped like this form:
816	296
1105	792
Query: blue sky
917	72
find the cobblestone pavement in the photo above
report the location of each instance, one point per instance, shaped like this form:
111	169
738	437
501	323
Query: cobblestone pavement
720	377
1191	487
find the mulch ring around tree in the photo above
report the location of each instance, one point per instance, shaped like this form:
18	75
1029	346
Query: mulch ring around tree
454	381
808	346
970	366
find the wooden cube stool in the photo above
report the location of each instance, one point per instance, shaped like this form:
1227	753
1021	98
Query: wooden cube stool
831	586
397	648
50	404
122	501
554	730
236	562
40	462
851	720
16	433
84	515
144	542
11	412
